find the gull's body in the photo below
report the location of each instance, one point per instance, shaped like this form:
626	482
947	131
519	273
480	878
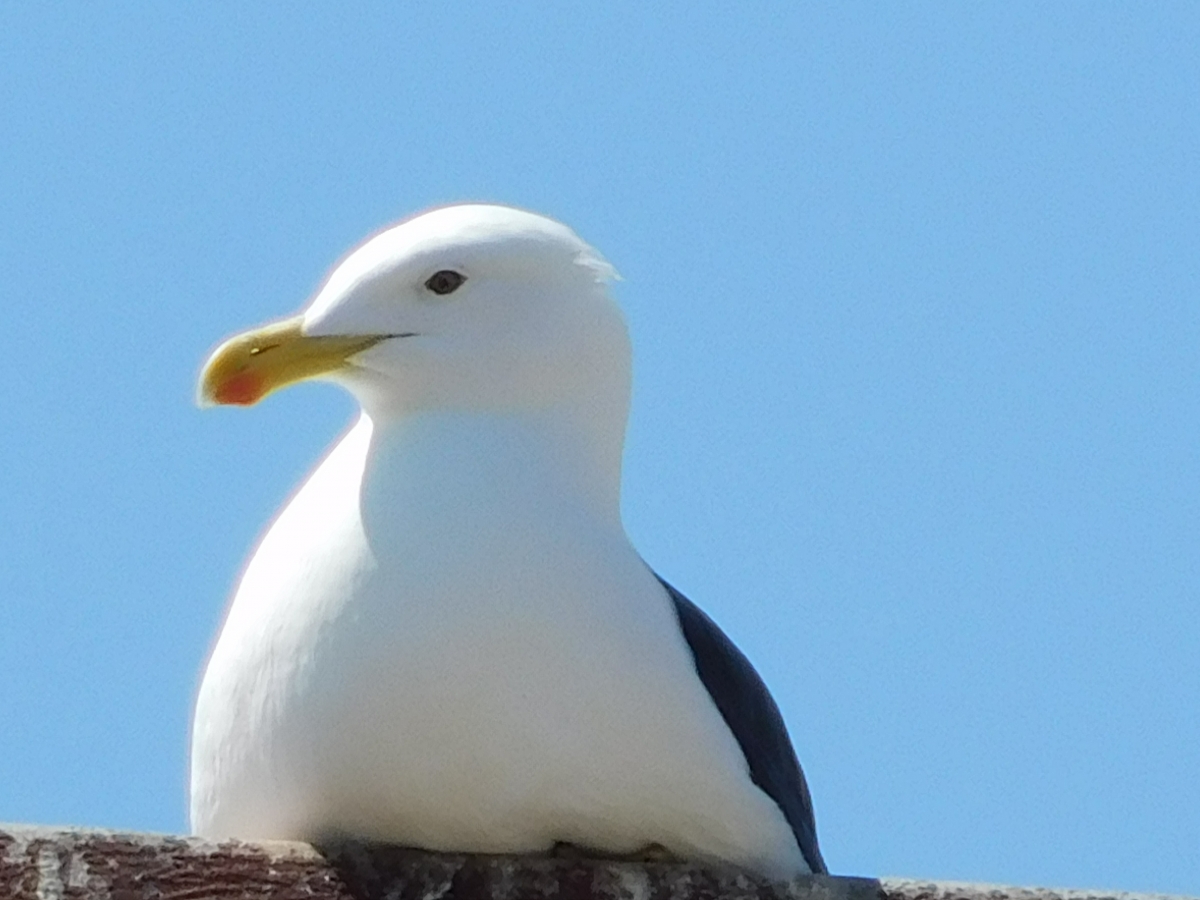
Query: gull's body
445	639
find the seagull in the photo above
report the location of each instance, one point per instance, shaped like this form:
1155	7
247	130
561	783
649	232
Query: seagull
445	639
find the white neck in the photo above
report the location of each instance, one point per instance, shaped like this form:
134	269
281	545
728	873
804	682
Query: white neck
477	459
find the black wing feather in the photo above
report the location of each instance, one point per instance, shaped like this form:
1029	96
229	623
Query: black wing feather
751	714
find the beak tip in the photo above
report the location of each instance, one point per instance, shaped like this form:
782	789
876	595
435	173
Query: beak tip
241	389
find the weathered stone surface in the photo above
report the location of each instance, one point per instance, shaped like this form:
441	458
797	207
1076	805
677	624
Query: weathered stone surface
46	864
43	864
903	889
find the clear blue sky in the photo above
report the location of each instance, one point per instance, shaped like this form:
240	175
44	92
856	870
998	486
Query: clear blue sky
915	297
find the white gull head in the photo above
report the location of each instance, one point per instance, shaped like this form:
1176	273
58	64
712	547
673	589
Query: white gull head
494	308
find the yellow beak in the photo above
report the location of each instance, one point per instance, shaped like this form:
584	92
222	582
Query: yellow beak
254	363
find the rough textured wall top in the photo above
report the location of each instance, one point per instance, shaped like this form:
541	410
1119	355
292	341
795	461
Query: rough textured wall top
45	864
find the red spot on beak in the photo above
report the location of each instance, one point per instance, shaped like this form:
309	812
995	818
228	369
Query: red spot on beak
242	389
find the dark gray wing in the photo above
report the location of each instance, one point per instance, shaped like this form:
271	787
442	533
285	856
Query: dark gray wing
752	716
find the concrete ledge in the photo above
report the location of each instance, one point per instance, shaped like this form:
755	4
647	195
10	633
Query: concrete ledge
907	889
50	864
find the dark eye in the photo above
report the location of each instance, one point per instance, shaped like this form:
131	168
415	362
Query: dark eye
447	281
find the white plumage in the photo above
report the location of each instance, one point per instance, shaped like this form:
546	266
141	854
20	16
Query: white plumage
445	639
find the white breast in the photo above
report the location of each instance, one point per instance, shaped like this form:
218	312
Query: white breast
447	657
